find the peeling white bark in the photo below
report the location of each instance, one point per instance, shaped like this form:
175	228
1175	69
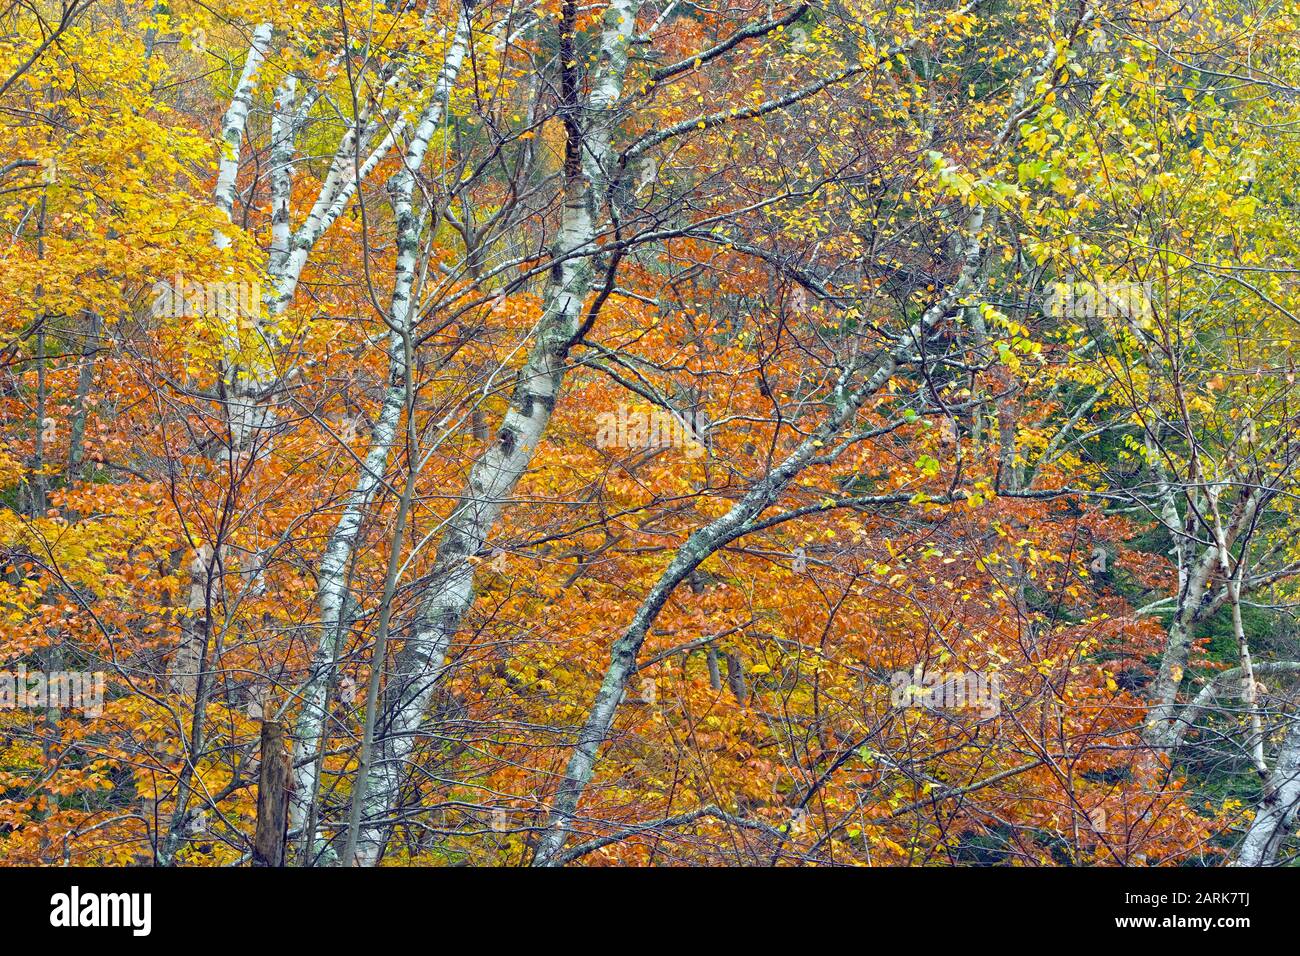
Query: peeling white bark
336	192
248	414
1276	816
283	129
1233	575
1196	601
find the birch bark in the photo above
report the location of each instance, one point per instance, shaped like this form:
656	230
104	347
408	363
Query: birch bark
247	389
188	660
495	473
1276	816
342	542
705	541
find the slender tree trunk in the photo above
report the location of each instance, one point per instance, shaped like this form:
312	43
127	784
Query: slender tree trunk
342	543
361	785
1276	816
495	473
705	541
1249	694
272	797
194	629
80	409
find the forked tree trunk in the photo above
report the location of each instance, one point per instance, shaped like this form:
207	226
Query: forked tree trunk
498	469
341	546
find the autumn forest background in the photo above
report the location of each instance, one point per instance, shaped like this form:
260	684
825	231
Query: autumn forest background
550	432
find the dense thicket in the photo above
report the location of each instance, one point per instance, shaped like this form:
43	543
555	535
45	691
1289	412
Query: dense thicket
649	431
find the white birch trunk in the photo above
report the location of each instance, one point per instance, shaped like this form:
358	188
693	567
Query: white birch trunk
233	125
247	412
283	130
495	473
190	653
336	192
190	661
342	542
1233	576
1276	816
1196	601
